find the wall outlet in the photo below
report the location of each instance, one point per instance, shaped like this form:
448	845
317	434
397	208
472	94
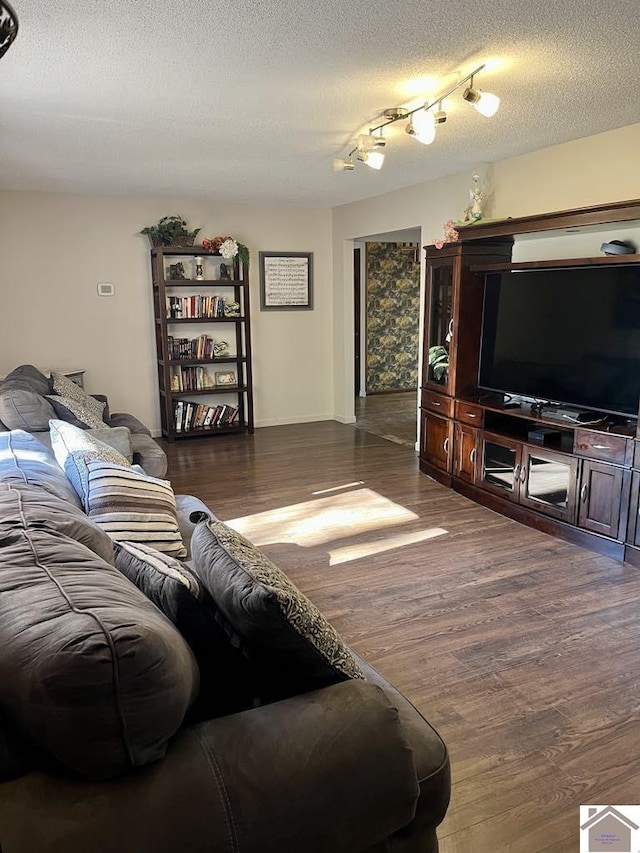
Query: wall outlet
106	288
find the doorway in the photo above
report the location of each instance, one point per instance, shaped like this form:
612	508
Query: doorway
386	334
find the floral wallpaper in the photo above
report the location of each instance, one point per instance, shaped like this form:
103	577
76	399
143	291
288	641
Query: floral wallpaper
393	316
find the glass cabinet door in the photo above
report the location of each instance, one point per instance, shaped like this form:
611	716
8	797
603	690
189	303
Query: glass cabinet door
439	324
500	466
549	482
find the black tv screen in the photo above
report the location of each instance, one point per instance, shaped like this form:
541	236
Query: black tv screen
567	335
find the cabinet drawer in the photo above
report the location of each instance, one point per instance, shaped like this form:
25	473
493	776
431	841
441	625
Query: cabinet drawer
437	403
602	445
468	413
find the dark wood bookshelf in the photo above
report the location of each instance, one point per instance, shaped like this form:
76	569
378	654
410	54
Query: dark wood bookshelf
239	330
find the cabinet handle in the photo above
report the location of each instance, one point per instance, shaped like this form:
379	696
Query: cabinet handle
470	415
472	456
516	473
600	446
523	473
445	446
583	493
435	403
450	328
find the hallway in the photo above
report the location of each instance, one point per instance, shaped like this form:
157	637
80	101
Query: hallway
391	416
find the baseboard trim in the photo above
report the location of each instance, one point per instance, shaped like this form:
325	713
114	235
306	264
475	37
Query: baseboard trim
300	419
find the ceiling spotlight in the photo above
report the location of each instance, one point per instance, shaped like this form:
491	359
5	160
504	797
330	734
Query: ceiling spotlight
422	127
367	141
340	165
374	159
486	103
439	115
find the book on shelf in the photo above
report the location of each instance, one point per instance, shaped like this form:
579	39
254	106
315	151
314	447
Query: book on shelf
189	416
198	306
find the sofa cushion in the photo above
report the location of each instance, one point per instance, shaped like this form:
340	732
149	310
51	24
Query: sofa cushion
130	506
75	412
22	408
74	448
30	377
24	459
294	646
90	670
70	390
30	506
226	679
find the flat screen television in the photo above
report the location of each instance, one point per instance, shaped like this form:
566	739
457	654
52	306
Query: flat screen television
566	335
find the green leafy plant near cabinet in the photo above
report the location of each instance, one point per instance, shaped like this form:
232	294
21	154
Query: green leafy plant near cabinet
170	231
438	362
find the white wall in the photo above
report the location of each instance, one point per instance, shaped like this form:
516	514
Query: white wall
594	170
55	248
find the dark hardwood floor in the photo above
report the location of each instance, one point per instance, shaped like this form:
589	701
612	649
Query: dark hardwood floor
391	416
523	650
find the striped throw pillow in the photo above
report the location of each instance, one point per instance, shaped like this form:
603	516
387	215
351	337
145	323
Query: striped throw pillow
133	507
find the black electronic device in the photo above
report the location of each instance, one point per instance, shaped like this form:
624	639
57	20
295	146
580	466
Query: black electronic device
567	335
544	436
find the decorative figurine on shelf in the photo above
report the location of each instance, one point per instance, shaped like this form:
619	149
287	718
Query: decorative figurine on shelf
176	272
231	309
224	272
473	211
199	262
220	349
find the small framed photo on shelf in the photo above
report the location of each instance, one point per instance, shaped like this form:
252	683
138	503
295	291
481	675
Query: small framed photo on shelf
226	377
286	281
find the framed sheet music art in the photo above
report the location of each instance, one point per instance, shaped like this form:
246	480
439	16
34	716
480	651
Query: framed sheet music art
286	281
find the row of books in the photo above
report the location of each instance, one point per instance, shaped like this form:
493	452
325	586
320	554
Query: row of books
189	416
190	379
201	347
198	306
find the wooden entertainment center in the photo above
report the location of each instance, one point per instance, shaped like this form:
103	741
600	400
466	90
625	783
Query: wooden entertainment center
582	481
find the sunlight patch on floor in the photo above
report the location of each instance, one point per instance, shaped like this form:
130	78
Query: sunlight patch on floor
367	549
339	488
324	519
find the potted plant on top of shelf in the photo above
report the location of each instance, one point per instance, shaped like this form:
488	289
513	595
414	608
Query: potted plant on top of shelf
170	231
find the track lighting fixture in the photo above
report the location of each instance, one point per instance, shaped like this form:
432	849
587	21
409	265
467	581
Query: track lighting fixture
422	123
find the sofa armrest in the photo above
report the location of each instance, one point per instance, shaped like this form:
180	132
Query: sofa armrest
326	771
125	419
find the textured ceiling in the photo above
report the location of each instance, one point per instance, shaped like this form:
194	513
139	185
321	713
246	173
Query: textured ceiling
249	101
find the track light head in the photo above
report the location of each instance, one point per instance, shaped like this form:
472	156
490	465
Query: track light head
422	127
373	159
339	165
485	102
439	116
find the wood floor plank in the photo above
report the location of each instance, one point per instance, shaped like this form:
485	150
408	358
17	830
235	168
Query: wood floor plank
522	649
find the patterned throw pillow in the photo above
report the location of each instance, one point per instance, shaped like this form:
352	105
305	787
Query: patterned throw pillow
227	683
130	506
74	448
63	386
294	646
75	412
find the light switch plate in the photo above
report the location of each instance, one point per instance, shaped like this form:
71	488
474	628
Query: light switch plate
106	288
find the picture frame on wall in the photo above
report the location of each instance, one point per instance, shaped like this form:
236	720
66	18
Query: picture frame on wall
286	281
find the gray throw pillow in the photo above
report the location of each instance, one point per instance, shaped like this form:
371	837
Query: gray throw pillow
31	378
75	412
21	408
25	459
227	682
92	672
